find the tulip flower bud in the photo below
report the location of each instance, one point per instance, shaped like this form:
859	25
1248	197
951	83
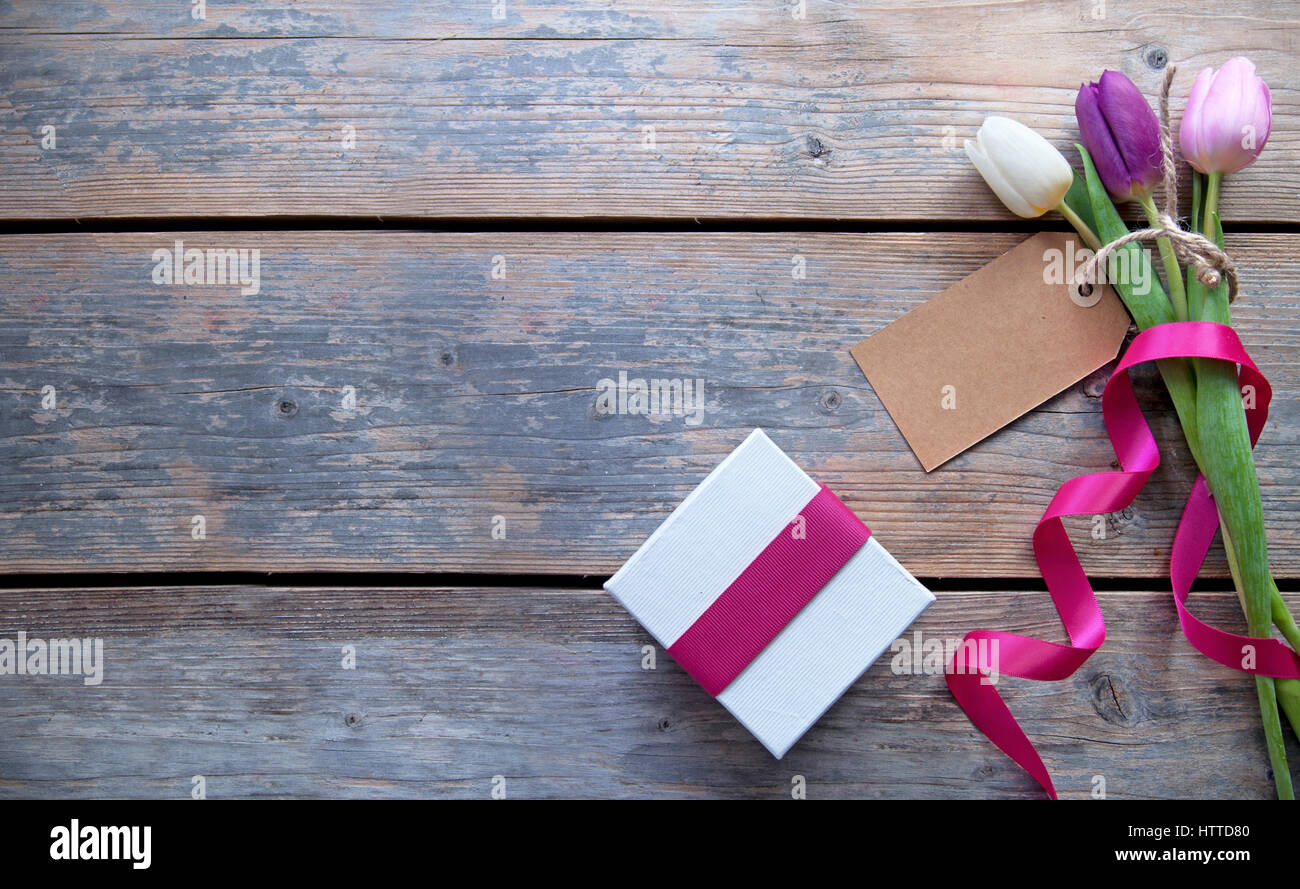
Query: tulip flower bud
1228	118
1023	169
1121	132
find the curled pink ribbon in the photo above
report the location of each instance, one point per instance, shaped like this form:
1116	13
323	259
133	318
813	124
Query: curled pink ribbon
1105	492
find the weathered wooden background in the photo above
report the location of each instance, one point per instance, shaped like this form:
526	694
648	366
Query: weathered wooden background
464	222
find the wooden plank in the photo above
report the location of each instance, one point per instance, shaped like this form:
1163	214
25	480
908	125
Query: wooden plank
476	398
854	111
452	687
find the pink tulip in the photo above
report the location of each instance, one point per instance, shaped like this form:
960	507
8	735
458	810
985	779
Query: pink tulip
1228	118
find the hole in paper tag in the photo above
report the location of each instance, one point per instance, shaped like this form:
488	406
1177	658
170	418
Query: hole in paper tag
992	347
1085	295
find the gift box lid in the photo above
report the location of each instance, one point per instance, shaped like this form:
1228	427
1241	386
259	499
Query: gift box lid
722	528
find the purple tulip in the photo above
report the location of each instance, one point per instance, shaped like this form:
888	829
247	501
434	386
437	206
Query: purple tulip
1121	132
1228	118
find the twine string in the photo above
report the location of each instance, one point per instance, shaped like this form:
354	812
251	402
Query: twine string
1193	249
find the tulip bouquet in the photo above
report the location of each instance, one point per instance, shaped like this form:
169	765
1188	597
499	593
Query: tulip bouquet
1126	153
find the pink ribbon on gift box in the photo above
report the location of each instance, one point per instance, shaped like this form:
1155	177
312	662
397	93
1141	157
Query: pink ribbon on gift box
772	589
1105	492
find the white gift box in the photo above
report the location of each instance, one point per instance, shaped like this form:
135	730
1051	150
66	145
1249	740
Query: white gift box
712	537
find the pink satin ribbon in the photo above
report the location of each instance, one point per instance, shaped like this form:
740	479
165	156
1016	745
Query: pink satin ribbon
771	590
1107	492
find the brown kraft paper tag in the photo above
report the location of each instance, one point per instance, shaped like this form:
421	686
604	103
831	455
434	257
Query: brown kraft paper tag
992	347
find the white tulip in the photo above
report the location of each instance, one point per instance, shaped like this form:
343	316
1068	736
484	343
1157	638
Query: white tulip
1023	169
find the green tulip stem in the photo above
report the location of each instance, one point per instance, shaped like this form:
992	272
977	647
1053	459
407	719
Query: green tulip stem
1173	274
1281	615
1089	237
1287	690
1229	467
1283	620
1212	181
1288	695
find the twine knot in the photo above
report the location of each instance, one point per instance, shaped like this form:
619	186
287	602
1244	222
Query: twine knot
1211	264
